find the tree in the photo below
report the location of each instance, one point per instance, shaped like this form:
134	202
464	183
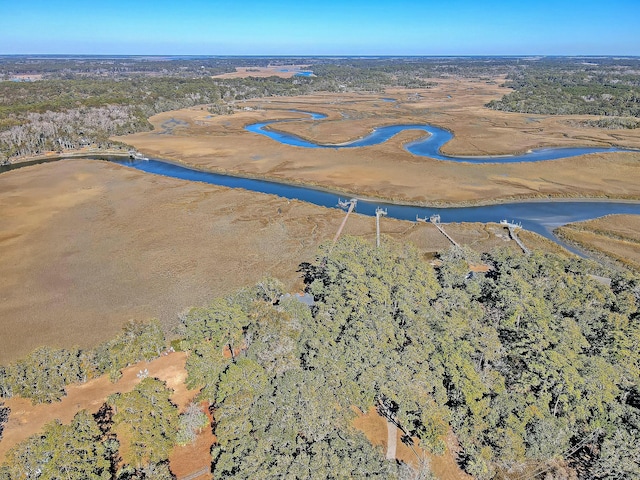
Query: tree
149	419
6	390
191	421
620	457
152	471
64	452
204	366
138	341
296	431
4	417
272	337
222	324
43	375
422	471
240	387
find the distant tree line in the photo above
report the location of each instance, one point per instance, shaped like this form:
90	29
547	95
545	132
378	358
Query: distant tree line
75	67
79	67
606	87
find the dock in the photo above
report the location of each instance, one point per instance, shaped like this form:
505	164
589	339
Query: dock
513	228
435	219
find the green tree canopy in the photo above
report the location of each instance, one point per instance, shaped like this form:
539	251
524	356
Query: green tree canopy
64	452
149	419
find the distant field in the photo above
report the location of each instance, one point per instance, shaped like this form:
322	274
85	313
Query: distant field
613	236
282	71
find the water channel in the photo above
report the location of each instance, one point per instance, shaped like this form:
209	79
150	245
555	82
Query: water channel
540	216
428	146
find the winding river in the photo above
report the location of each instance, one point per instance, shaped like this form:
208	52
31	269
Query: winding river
428	146
538	216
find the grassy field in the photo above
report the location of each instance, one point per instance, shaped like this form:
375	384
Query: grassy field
88	245
614	236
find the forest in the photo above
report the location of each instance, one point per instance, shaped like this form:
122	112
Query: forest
597	86
50	115
534	366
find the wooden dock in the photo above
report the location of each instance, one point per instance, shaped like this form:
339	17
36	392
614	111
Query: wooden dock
513	228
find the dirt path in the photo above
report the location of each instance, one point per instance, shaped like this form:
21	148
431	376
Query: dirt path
444	467
27	419
392	440
204	473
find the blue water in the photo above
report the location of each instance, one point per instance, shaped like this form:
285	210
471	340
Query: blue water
427	146
303	74
540	216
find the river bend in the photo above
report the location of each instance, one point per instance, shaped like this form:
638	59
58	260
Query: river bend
428	146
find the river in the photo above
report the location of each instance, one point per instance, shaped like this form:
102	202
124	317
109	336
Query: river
429	145
540	216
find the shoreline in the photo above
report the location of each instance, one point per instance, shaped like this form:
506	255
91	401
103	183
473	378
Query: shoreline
53	156
340	193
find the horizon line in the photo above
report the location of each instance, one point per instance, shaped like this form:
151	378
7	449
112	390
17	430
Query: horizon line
350	55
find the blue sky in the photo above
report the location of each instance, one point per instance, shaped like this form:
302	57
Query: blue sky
321	27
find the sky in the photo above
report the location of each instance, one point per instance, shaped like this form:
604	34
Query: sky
320	27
